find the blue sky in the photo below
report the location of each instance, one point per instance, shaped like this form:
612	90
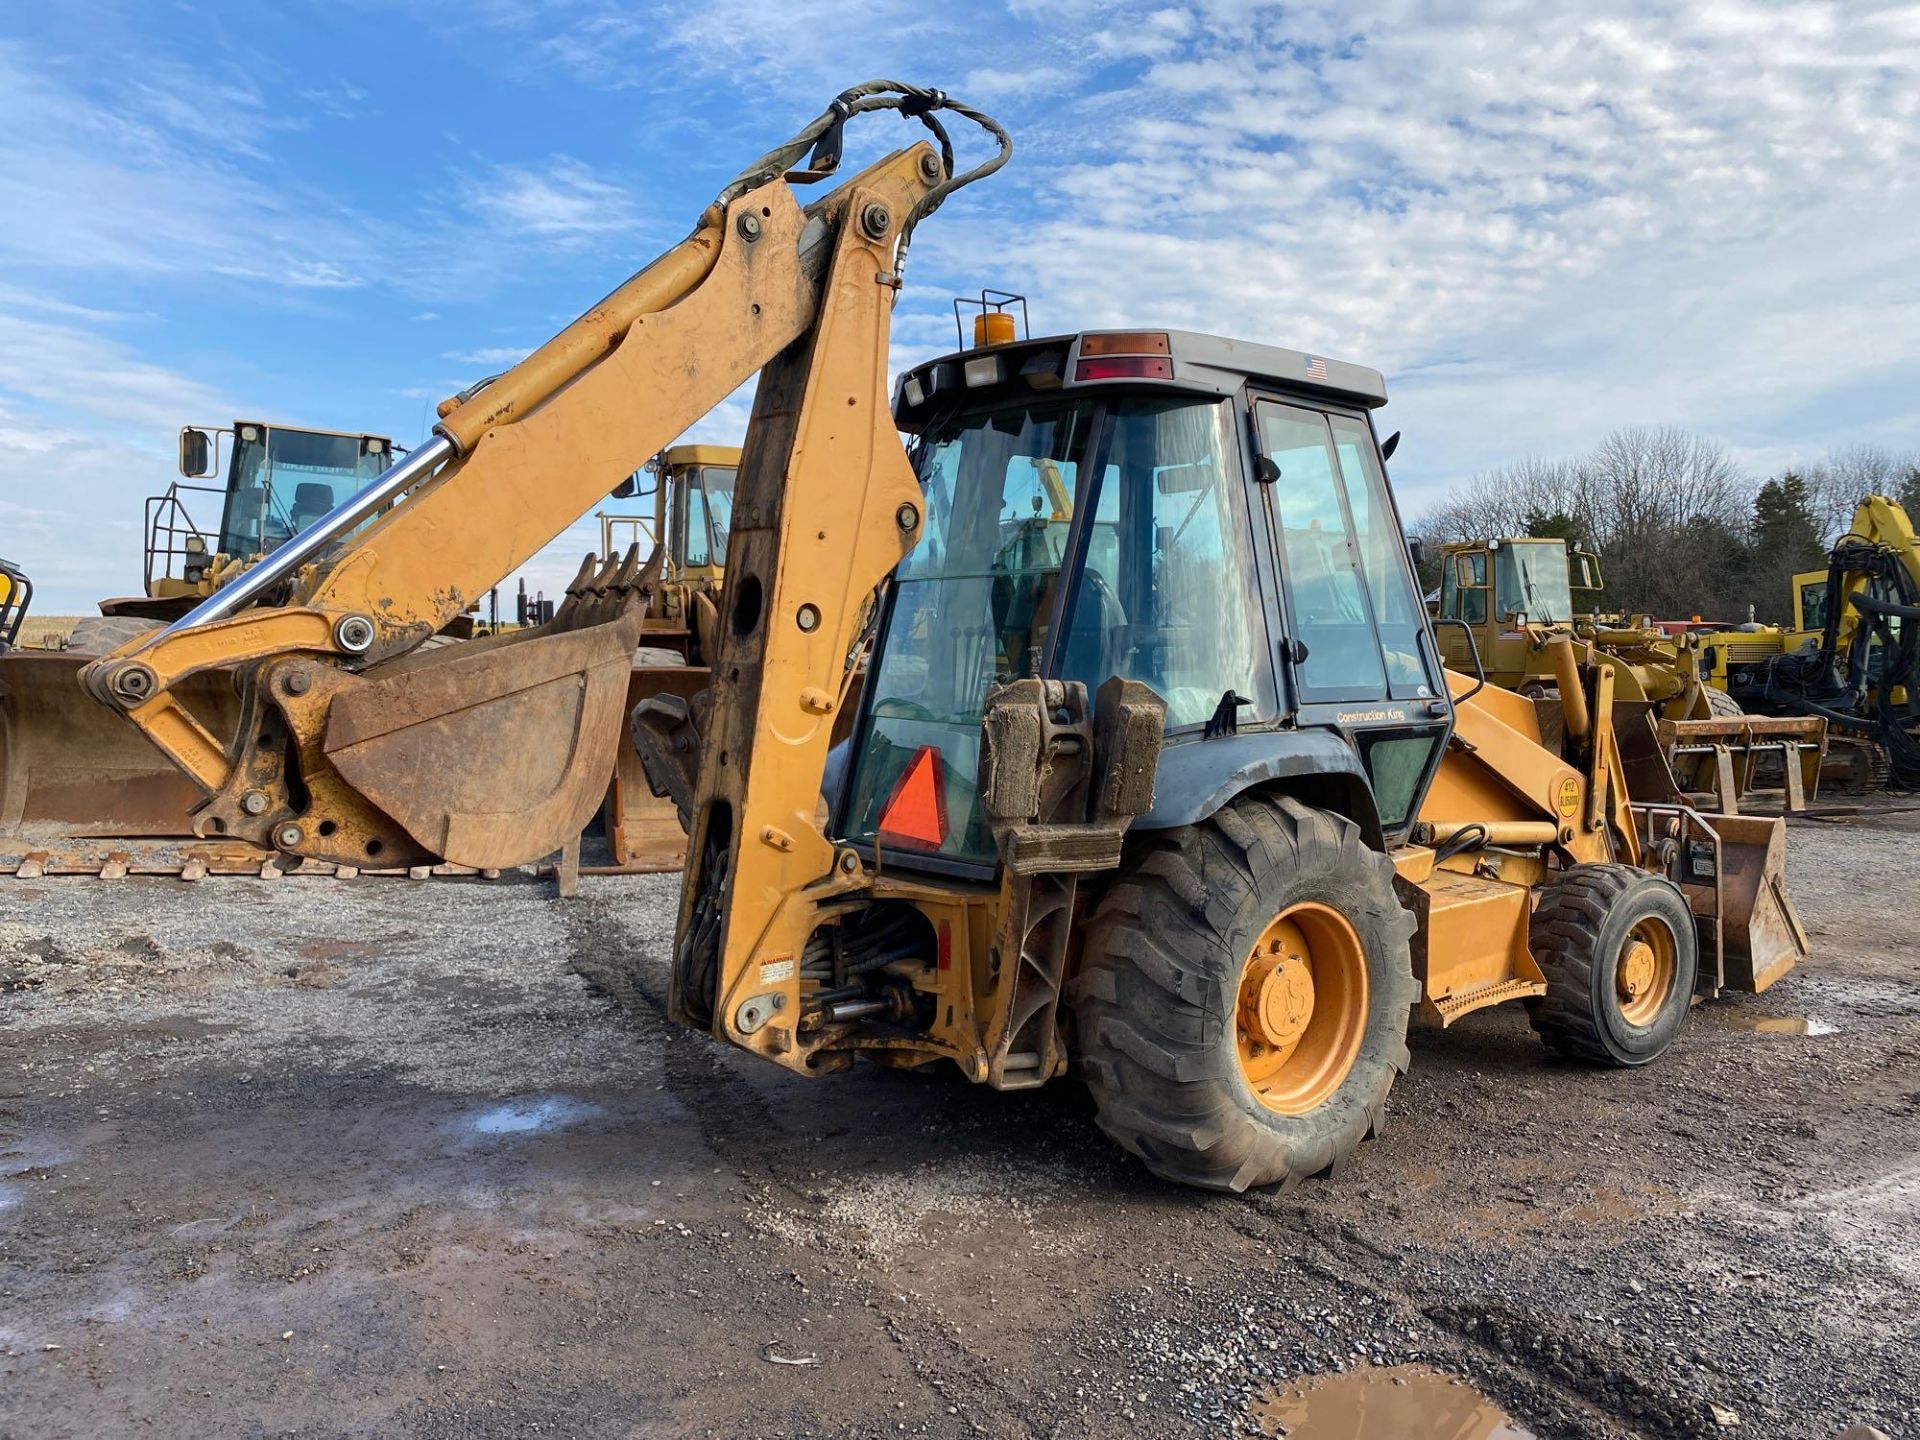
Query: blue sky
1542	222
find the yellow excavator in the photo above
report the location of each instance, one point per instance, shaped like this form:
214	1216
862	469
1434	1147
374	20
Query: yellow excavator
1167	780
1853	659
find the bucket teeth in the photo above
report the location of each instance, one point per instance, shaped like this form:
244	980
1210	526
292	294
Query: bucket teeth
603	590
583	577
630	569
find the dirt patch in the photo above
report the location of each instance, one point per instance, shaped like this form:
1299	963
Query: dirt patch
371	1159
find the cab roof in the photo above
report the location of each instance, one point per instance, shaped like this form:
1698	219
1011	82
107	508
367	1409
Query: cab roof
1178	360
679	455
385	441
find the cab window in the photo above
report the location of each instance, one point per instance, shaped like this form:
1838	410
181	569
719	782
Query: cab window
1351	601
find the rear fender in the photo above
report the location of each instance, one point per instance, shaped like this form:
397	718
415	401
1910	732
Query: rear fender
1197	777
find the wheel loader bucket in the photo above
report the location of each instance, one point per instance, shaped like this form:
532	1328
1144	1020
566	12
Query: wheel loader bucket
643	829
492	753
1735	878
70	767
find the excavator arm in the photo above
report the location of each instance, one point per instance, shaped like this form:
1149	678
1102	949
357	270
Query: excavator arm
355	746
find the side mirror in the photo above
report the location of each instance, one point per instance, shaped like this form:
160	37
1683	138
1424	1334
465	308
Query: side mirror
1417	553
1393	444
1470	569
196	454
626	489
1586	571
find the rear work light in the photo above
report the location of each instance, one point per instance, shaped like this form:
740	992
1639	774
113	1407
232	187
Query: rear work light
1124	367
981	370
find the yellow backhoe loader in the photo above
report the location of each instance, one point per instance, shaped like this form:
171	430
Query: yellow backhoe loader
1509	599
1167	779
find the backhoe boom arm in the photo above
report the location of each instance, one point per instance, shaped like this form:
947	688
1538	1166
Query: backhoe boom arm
515	461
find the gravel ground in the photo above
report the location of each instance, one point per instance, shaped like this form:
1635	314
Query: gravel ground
371	1157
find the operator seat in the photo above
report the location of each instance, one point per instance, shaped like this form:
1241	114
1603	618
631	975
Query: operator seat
311	500
1096	636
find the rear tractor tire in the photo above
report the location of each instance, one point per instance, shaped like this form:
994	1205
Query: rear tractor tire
1242	1002
1620	954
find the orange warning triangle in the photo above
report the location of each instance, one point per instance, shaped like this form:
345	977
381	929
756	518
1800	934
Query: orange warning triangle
915	815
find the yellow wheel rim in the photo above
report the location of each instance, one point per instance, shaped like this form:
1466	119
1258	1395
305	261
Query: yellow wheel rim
1643	980
1303	1008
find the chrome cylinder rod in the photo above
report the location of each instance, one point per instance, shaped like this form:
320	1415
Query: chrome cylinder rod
303	547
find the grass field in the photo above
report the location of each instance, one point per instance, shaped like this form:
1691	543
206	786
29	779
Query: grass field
47	632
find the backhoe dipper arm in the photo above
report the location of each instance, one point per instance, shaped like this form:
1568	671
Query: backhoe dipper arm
513	463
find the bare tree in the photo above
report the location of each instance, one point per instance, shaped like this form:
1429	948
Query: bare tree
1670	513
1665	507
1501	502
1845	477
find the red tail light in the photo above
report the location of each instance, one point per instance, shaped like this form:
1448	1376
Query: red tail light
1125	367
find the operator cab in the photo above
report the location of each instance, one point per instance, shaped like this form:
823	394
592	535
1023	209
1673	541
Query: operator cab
1524	578
1206	516
283	478
702	506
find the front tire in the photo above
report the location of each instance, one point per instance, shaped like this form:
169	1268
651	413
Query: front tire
1620	953
1721	705
1242	1003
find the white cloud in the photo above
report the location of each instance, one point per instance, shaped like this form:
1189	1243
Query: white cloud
563	202
86	429
154	178
496	355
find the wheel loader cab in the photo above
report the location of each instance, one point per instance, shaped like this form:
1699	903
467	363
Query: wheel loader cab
1206	517
282	479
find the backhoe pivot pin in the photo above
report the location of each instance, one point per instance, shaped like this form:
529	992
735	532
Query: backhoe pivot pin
132	684
354	634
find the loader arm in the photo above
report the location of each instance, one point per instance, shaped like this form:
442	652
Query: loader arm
495	752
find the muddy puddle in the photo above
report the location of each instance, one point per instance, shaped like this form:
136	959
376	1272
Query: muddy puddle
1402	1402
1782	1024
532	1115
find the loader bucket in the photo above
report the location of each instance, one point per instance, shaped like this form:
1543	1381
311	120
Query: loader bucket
492	753
70	767
643	829
1760	932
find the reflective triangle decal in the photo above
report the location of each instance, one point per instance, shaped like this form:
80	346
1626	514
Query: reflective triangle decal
915	815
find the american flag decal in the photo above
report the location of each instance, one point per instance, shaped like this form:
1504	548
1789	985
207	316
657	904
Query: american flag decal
1316	368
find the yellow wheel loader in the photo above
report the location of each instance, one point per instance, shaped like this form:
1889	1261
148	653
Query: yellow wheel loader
278	480
16	594
79	789
1508	600
1156	768
692	490
691	487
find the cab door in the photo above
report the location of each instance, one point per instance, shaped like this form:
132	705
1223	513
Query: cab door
1355	641
1466	595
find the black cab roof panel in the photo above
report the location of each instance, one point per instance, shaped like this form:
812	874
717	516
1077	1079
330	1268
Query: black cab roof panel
1177	359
